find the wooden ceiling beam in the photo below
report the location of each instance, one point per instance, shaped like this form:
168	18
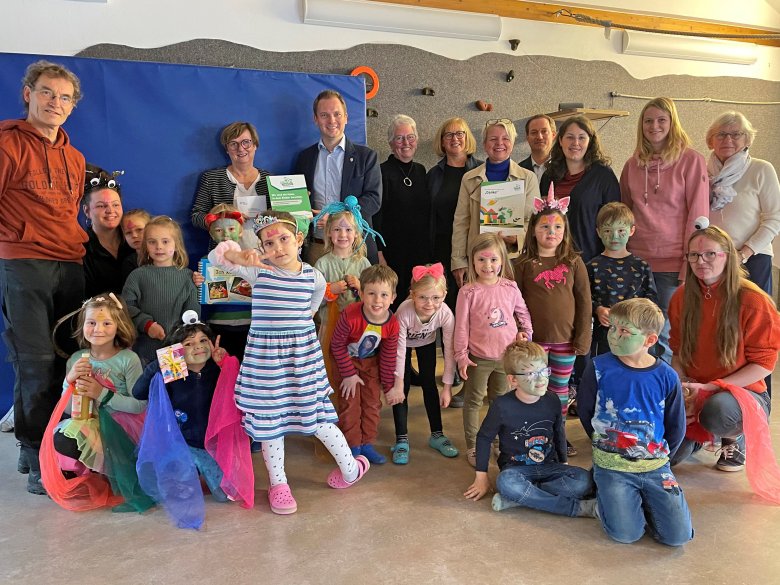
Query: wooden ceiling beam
546	13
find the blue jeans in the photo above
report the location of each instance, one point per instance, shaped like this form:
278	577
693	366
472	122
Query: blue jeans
210	471
665	284
628	502
550	487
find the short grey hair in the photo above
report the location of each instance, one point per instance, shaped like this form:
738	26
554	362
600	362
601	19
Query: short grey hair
727	119
398	120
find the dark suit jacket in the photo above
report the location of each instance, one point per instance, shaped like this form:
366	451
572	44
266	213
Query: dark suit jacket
360	177
527	163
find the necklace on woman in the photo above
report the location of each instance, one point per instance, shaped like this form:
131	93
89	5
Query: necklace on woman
407	180
707	293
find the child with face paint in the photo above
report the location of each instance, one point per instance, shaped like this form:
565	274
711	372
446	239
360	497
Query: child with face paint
105	371
532	443
282	386
554	283
490	313
616	274
631	405
341	265
191	397
230	321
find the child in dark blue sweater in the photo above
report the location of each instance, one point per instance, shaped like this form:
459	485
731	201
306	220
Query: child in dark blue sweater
532	443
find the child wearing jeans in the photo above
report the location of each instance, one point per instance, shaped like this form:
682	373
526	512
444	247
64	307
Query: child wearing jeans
364	346
631	405
532	443
616	274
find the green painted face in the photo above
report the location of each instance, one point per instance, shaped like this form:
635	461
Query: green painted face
624	338
615	235
225	229
532	377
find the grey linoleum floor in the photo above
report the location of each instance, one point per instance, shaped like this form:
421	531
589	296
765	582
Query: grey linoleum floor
398	525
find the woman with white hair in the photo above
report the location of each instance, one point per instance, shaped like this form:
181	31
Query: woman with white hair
744	195
404	220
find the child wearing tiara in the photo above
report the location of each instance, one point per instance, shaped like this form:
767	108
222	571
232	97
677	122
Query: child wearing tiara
103	372
555	284
161	289
344	260
282	386
490	314
419	318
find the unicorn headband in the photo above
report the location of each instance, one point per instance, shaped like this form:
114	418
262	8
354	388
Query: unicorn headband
550	202
263	221
350	204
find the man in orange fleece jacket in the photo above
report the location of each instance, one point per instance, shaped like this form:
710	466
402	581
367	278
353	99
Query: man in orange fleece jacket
41	248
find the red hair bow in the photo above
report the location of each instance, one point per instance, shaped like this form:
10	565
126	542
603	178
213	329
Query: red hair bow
212	217
435	270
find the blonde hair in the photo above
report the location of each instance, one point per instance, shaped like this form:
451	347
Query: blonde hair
142	213
565	253
643	314
485	242
505	123
676	141
727	119
614	211
732	285
470	145
126	333
522	351
429	281
358	246
180	258
379	274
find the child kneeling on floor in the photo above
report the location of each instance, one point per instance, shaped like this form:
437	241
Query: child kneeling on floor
631	405
532	443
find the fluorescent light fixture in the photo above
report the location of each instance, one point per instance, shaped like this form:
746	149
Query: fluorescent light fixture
402	19
682	47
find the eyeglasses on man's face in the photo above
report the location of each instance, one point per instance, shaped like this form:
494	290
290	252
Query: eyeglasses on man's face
48	95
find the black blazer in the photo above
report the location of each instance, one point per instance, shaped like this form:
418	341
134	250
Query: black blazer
360	176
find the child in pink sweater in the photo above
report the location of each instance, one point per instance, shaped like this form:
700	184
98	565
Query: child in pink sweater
490	314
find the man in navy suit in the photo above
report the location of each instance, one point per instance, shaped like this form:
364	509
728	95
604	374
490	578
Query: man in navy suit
335	168
540	134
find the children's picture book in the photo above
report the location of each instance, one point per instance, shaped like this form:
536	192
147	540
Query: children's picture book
502	207
289	193
172	363
222	287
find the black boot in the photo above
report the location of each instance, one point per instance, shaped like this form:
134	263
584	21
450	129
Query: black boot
34	483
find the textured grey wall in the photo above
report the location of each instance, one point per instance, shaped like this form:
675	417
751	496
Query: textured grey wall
540	84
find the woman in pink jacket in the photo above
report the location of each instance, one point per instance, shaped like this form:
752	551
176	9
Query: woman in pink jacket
665	184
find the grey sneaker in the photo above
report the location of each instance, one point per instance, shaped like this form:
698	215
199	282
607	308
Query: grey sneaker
588	508
7	422
22	466
732	454
457	400
34	484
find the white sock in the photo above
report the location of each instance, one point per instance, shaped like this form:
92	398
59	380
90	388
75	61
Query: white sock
273	455
333	440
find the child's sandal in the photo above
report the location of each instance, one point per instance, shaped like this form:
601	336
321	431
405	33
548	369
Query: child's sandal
281	499
336	479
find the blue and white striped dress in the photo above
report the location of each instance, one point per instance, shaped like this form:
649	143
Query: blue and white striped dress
282	386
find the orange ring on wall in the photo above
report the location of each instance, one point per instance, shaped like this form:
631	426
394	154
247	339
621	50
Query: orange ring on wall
365	70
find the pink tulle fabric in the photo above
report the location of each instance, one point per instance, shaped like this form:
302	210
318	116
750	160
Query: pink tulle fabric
79	494
226	440
223	247
761	466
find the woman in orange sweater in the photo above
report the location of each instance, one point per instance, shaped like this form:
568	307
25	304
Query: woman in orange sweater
723	327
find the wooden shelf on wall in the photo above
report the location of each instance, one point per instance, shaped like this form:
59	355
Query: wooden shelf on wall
589	113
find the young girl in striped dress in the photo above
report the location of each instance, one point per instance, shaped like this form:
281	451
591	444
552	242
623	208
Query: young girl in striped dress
282	387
